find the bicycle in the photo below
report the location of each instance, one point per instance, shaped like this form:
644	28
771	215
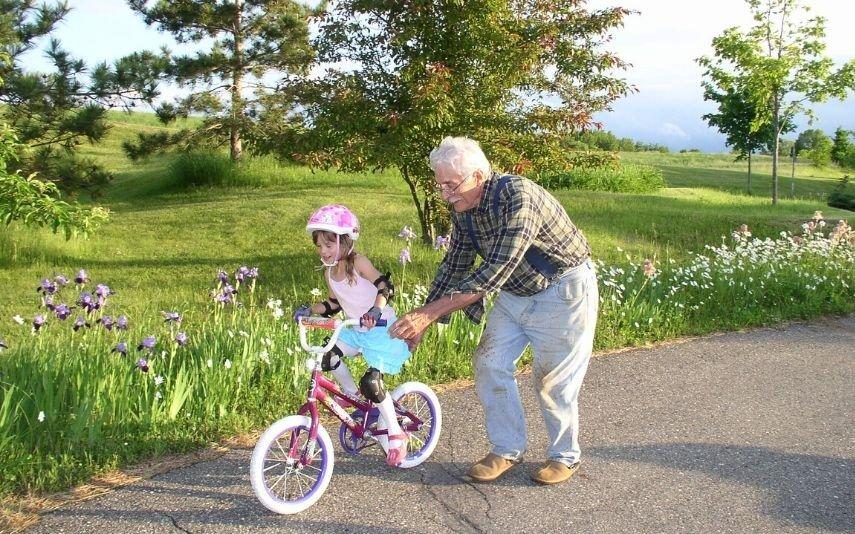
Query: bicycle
293	460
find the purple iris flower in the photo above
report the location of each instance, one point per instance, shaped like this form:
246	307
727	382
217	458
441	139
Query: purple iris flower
122	323
107	322
47	287
223	298
253	272
88	303
442	242
81	277
103	290
222	277
47	300
171	317
38	322
80	323
147	343
404	257
121	348
60	280
142	364
62	312
229	289
241	273
181	339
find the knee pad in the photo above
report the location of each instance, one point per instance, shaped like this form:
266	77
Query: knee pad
371	385
326	364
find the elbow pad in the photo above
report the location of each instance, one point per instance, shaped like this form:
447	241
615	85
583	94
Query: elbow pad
384	286
331	307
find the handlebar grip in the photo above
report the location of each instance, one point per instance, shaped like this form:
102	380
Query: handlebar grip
380	322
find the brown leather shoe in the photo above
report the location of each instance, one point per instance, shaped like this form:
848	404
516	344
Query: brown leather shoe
490	468
553	472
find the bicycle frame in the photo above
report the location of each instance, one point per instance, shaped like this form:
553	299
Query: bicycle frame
327	391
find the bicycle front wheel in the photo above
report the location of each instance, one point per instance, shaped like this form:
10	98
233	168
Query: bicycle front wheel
289	471
422	402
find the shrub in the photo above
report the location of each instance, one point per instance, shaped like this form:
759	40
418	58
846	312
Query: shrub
203	168
620	179
843	195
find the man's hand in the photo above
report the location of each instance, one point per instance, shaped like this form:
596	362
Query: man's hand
411	326
413	343
369	320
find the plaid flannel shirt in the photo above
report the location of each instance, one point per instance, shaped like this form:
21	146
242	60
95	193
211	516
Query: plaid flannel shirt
527	215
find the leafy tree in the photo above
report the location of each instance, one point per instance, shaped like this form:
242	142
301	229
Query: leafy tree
54	112
842	146
820	153
780	65
252	40
809	139
736	118
518	76
32	201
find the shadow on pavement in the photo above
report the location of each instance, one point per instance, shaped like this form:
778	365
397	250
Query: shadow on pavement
801	488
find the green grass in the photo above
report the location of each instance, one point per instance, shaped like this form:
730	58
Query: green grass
721	172
165	243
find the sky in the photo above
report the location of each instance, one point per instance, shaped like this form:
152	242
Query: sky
661	42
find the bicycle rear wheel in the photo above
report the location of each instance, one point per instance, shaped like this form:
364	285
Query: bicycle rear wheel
282	481
422	402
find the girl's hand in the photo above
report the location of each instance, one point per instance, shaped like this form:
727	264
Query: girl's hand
369	320
305	310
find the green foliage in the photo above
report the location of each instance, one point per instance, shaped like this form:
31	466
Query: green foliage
626	178
737	114
809	139
417	72
843	196
820	153
36	203
55	112
203	168
245	42
603	140
776	67
843	151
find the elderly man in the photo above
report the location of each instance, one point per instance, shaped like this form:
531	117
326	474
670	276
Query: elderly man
538	262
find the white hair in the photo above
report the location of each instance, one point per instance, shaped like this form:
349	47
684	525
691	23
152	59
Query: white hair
461	154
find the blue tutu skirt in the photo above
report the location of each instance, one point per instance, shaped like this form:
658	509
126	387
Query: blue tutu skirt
382	352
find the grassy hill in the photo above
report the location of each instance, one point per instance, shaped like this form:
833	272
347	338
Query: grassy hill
74	404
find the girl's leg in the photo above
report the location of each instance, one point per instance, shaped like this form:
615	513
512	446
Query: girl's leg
341	371
396	442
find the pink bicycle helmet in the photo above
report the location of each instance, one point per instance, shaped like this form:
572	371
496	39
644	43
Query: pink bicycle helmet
334	218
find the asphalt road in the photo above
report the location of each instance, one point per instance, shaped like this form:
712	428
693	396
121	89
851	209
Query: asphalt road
741	432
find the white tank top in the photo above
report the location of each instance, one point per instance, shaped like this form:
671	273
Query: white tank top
357	298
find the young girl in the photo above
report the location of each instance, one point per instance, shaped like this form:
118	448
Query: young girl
358	289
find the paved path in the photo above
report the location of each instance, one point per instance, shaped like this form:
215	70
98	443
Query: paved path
741	432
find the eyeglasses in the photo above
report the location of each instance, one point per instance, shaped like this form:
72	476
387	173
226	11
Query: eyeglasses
444	189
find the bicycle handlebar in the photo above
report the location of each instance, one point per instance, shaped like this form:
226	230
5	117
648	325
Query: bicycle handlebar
324	323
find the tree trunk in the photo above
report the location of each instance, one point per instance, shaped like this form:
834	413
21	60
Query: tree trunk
776	110
235	144
427	232
749	172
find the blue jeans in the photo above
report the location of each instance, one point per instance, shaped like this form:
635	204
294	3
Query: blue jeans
559	324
